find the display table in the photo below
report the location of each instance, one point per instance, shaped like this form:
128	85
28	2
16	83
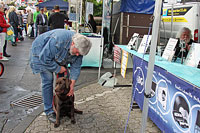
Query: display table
93	57
175	106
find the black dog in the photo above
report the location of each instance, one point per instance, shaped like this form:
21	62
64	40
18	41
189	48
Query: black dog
63	104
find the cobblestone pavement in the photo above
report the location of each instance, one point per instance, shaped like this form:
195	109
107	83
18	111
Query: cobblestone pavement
105	110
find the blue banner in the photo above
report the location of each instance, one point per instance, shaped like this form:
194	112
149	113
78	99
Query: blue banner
175	105
138	6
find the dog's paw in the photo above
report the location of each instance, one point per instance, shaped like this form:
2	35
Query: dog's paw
73	121
78	111
56	125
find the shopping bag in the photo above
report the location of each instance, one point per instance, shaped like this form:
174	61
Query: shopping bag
9	32
29	29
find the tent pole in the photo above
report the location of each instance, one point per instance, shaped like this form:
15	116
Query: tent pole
156	22
102	41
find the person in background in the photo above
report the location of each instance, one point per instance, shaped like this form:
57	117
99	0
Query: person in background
184	42
92	22
19	14
41	22
51	52
57	19
8	37
14	22
30	22
4	27
46	12
20	18
34	20
25	16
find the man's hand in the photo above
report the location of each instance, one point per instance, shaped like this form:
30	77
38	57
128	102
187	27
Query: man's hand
62	69
71	92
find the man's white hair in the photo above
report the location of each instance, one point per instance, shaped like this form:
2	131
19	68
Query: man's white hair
82	43
184	29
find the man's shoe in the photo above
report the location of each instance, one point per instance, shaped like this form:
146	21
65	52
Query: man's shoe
52	117
14	44
6	55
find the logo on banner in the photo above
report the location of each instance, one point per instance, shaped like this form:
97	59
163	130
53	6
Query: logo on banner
139	85
181	111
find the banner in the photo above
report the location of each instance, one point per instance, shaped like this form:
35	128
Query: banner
138	6
89	10
117	54
175	105
124	63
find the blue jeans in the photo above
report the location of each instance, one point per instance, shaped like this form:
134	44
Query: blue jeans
47	91
15	33
35	30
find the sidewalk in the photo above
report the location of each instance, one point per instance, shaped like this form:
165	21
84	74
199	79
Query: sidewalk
105	110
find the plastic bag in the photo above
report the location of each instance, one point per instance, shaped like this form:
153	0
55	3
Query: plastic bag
29	29
10	32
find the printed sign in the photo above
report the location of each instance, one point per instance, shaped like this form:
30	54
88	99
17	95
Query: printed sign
169	49
193	56
132	41
178	11
144	44
175	19
124	63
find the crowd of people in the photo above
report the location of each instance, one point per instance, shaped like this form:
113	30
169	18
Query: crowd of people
53	47
27	23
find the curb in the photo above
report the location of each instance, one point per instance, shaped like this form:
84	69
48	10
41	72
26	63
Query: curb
22	126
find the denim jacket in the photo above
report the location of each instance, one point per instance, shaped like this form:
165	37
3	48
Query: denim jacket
51	50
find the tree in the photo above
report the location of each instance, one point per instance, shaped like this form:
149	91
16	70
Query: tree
98	7
11	4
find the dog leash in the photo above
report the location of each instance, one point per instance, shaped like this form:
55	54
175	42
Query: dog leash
141	63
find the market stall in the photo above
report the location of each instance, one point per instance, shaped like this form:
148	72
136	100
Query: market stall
51	3
92	58
175	102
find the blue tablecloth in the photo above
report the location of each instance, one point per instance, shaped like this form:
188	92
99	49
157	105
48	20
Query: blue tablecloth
189	74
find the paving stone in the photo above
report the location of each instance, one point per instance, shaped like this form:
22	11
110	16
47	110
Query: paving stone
105	110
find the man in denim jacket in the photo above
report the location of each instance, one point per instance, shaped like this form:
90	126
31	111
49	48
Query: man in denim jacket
50	53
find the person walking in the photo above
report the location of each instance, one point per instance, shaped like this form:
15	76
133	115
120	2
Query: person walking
4	27
14	21
51	52
41	22
8	37
25	17
34	20
30	22
20	27
57	19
